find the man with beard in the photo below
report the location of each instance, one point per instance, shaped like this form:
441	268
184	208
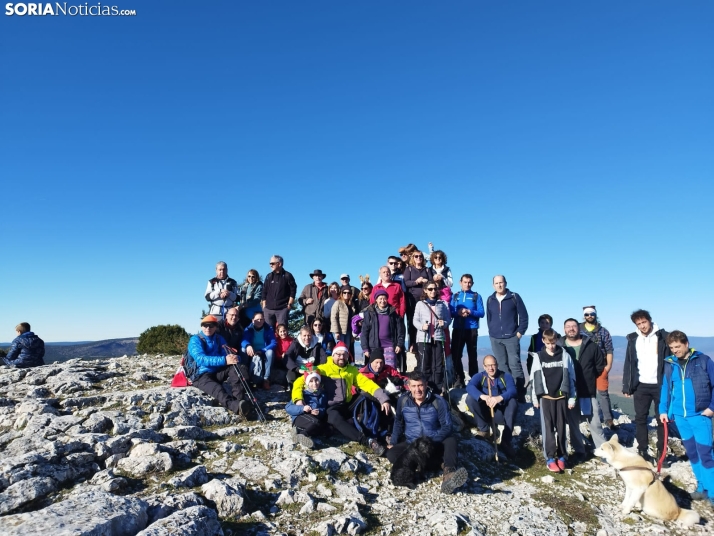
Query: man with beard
313	297
593	329
589	362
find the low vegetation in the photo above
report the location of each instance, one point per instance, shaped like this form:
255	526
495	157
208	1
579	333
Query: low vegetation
165	339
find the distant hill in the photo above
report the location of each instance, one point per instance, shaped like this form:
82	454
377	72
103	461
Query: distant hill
90	350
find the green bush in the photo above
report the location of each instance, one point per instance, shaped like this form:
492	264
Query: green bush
171	340
3	352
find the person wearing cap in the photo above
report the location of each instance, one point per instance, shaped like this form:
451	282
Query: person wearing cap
279	291
221	291
309	417
338	379
383	329
216	366
313	296
345	281
593	329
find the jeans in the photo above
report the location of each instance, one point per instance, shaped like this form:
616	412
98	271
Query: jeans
260	365
503	413
605	406
508	356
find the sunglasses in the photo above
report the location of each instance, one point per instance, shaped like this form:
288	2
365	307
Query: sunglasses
438	257
273	263
209	325
432	289
346	292
589	314
365	288
317	324
418	256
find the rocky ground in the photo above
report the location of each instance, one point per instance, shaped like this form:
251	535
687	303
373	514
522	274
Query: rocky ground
106	447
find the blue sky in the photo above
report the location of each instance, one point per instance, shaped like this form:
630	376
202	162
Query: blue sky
567	145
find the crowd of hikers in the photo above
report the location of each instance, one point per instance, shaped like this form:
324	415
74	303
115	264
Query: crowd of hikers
414	308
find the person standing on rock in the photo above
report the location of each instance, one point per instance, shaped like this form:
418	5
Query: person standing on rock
27	349
642	376
279	291
216	366
507	320
221	291
593	329
338	378
313	296
422	413
466	309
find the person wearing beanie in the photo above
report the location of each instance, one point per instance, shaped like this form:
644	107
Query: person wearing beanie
383	374
383	329
338	378
216	366
395	295
309	418
592	328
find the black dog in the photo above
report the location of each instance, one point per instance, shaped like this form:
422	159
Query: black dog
415	460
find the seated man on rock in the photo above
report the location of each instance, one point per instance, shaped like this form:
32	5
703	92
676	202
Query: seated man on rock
422	413
27	349
338	377
493	389
216	366
258	345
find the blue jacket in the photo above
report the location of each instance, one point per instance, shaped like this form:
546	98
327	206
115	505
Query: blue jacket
249	333
687	391
26	351
209	353
466	299
505	386
316	400
432	419
507	318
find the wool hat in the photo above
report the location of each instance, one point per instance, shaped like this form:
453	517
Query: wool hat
375	354
209	319
380	292
311	375
318	272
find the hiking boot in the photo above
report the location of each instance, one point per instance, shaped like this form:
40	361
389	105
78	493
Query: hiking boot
376	447
581	457
561	464
301	439
266	385
610	424
646	455
459	383
246	410
665	462
453	479
552	466
483	433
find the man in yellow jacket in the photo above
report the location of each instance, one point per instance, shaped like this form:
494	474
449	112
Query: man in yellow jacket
338	377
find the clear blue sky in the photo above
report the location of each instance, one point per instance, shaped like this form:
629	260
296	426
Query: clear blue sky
567	145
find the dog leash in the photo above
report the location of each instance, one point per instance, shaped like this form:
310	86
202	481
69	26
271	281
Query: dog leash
664	447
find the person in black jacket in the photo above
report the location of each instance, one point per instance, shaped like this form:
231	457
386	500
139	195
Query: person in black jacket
305	351
391	340
414	277
642	376
588	362
279	291
231	330
27	349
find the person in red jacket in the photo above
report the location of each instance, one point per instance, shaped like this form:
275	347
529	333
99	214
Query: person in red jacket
395	296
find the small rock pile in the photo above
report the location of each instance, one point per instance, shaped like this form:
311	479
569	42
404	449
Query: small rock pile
107	447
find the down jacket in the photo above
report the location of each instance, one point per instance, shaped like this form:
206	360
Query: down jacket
298	354
687	390
26	351
209	353
430	419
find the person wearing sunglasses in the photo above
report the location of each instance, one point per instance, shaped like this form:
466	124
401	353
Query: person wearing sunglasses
279	291
365	293
319	328
593	329
396	267
341	316
431	319
251	292
414	278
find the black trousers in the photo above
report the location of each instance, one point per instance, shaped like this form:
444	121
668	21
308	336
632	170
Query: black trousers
310	425
555	420
447	450
645	395
339	417
431	363
503	413
469	338
211	383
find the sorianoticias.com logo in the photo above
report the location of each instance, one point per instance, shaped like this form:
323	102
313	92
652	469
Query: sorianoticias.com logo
61	8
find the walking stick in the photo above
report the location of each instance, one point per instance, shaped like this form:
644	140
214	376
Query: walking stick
664	447
493	422
247	390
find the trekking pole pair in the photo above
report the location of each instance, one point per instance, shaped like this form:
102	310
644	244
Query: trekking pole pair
246	388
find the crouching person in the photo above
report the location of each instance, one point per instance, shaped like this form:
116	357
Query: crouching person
422	413
216	366
338	377
27	349
309	414
493	389
258	345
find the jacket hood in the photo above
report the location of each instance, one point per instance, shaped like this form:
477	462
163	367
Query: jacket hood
675	360
313	342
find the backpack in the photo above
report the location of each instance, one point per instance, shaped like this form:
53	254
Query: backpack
187	372
365	414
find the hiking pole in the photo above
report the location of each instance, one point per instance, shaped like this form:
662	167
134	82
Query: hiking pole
247	389
493	422
446	374
664	447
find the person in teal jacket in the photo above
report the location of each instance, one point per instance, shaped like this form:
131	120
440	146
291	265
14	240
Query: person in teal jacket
687	398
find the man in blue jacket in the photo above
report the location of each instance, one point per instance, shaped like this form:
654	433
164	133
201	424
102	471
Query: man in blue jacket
687	398
466	310
495	389
216	366
419	413
507	319
27	349
258	345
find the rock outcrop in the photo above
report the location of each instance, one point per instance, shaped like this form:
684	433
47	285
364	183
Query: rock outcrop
107	447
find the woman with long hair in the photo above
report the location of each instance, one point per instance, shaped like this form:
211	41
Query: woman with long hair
251	292
332	297
341	317
415	276
365	293
318	328
431	318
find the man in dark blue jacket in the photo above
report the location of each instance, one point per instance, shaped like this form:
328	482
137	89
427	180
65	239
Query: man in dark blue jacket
466	310
495	389
258	346
419	413
507	319
27	349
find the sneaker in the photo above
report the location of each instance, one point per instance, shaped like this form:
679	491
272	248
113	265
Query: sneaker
561	463
376	447
301	439
453	479
552	466
266	385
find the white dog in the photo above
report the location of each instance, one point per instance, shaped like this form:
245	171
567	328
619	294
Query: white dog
642	487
